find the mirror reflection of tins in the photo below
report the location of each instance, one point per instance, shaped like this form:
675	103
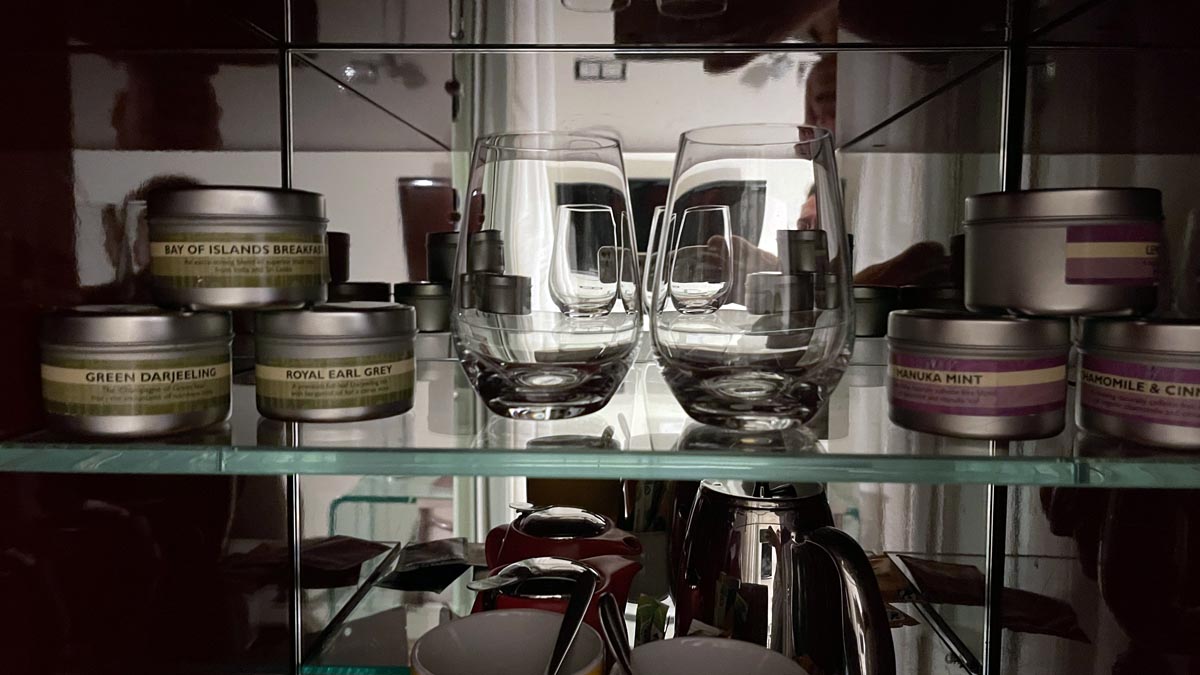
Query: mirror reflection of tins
503	293
931	297
466	291
827	293
802	251
485	252
442	247
872	304
430	299
775	293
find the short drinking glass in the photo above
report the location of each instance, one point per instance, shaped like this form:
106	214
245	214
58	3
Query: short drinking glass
547	289
750	313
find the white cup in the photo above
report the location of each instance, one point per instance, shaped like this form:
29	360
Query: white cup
504	642
710	656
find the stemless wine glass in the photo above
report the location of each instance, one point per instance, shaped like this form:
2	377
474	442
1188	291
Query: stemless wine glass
547	290
751	314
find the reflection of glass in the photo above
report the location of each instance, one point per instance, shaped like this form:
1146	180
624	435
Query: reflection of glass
756	267
538	322
647	287
701	261
595	5
690	9
584	243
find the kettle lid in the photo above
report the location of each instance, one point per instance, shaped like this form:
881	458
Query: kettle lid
562	522
769	491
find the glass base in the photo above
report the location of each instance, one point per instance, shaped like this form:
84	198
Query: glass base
544	392
542	411
747	400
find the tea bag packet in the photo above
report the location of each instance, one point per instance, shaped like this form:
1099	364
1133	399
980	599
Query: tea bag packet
429	566
651	621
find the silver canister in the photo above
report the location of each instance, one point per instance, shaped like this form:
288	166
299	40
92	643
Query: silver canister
441	249
485	252
1063	252
775	293
134	371
973	376
872	304
946	298
359	291
432	302
802	251
1140	381
503	293
341	362
237	248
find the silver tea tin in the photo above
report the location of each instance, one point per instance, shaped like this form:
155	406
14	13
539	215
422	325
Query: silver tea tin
442	250
237	247
359	291
1140	381
339	362
134	371
872	305
1063	251
973	376
431	300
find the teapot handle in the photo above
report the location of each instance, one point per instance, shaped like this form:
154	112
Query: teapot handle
866	632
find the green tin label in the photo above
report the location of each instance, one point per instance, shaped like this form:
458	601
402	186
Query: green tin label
324	384
135	387
216	260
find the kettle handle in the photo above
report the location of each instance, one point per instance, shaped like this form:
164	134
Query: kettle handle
865	627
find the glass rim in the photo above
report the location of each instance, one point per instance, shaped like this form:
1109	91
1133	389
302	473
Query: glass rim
820	134
600	141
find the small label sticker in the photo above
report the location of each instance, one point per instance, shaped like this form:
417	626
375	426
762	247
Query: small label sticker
983	387
326	384
1139	392
1113	255
144	387
219	260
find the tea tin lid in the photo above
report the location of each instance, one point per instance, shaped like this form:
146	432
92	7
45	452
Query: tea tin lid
131	325
930	297
360	291
236	201
345	320
867	293
442	238
960	329
1142	336
434	289
1139	203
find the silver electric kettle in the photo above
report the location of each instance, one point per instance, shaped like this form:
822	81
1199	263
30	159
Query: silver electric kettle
762	562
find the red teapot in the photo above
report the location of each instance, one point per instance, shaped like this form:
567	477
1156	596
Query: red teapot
558	531
539	583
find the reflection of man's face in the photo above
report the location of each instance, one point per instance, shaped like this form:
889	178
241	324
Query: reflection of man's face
820	94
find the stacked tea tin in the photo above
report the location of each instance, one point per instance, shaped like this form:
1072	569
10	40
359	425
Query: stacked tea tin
1034	260
139	371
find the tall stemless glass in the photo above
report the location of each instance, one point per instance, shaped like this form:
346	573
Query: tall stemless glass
547	289
751	314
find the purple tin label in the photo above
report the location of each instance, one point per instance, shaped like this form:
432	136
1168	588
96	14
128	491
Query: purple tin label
982	387
1140	392
1113	255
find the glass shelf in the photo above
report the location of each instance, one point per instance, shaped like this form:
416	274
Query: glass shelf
641	434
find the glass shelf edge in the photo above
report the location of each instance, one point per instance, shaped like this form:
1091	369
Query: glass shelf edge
649	465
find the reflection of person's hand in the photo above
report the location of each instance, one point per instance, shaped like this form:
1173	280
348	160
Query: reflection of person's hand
923	264
734	260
